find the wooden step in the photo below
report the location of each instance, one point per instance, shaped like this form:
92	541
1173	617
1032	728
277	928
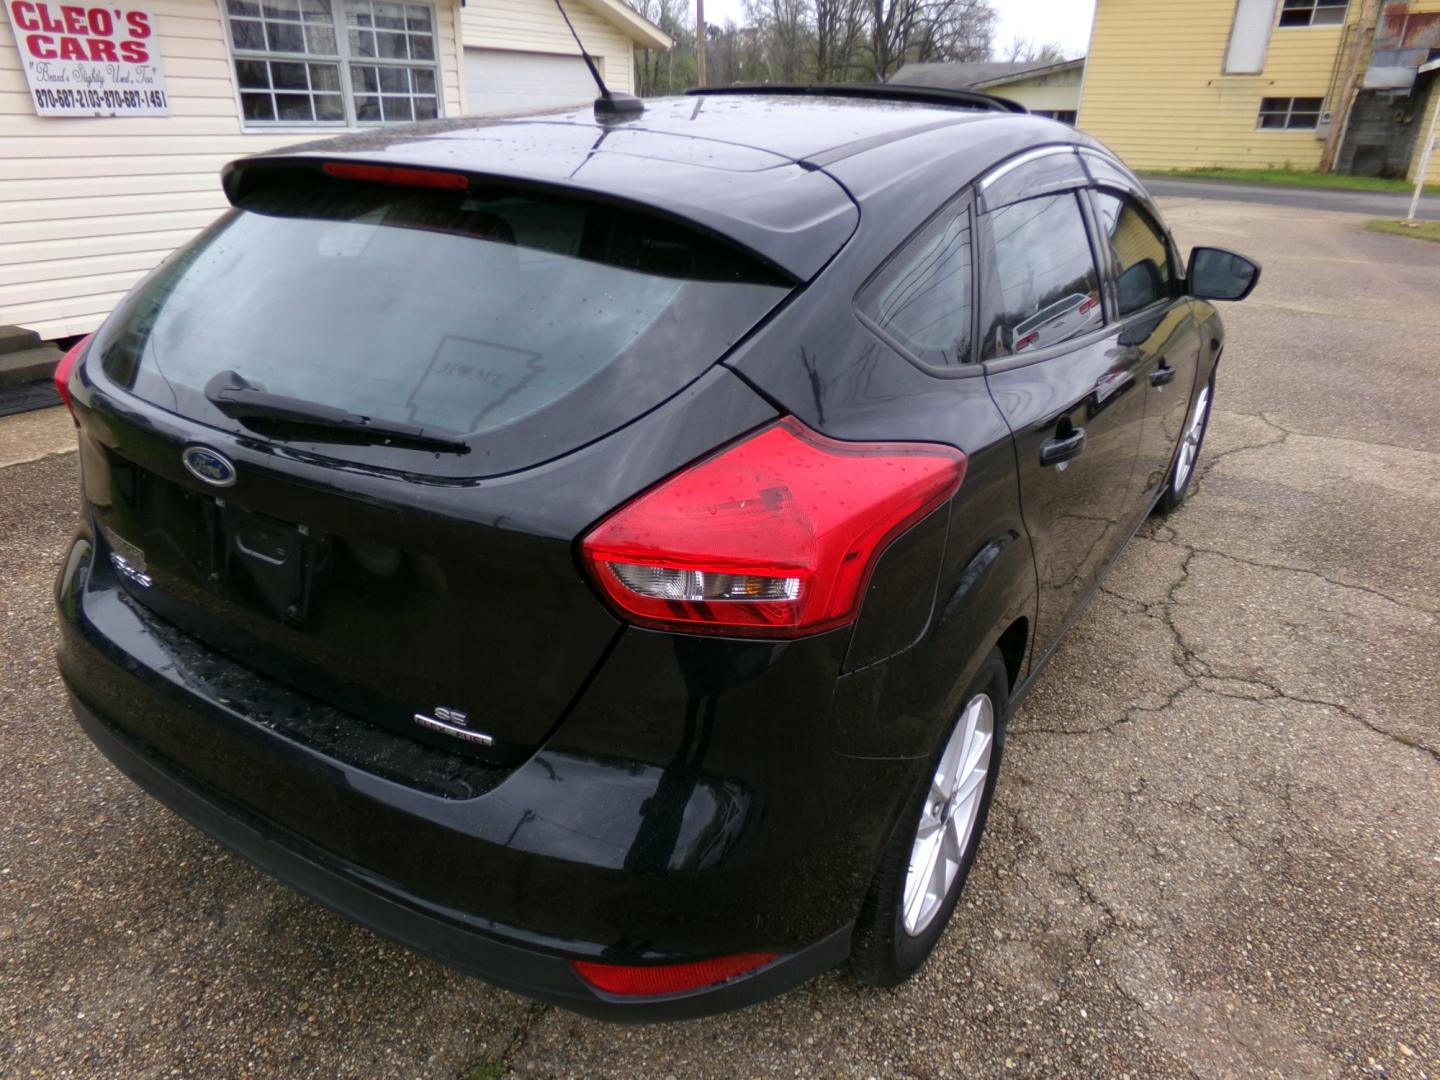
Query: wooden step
28	365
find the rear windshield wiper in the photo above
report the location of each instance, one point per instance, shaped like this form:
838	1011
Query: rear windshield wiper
235	397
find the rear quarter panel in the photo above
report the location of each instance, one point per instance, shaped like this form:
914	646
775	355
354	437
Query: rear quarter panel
942	595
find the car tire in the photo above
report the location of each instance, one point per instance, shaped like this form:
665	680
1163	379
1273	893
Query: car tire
897	930
1187	454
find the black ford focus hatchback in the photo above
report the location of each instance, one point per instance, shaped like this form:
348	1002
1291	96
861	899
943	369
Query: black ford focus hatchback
602	553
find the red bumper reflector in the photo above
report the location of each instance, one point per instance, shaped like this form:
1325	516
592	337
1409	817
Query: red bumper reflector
390	174
654	980
64	369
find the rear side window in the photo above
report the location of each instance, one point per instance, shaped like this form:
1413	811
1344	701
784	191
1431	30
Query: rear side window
464	312
1139	254
923	296
1042	288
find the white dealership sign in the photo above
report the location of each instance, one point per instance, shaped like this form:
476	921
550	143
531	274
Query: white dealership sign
95	59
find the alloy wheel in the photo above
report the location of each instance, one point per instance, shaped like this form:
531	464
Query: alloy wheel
947	820
1190	447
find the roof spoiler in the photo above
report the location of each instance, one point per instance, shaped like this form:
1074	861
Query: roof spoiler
794	235
919	95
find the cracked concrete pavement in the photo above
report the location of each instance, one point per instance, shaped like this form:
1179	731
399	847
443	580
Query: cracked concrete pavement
1215	850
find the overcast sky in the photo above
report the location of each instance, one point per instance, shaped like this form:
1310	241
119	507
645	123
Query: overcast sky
1065	22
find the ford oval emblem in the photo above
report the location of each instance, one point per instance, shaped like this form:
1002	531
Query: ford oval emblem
208	465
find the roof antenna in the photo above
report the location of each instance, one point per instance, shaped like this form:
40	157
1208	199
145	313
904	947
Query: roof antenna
609	103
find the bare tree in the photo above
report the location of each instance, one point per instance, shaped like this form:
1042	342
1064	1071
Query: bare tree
785	31
1027	51
839	33
734	55
668	71
927	30
820	40
960	33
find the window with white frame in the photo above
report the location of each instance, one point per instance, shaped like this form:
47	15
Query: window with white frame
1290	114
1313	12
293	66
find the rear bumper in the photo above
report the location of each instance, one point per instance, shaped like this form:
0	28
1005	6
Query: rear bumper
514	881
535	972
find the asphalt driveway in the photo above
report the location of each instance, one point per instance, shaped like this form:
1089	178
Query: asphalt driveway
1379	204
1215	849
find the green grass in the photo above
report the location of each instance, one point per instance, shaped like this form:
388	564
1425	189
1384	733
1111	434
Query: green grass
488	1069
1296	178
1419	230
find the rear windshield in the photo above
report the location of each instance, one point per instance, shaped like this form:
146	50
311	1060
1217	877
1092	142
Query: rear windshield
462	312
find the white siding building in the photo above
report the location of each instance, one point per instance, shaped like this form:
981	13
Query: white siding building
89	203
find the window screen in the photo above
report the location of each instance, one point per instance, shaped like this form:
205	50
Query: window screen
1249	37
1042	288
922	297
1138	252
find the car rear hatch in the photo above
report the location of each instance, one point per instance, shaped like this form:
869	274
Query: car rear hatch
317	437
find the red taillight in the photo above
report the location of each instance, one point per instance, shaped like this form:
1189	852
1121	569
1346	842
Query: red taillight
64	369
1089	305
1028	340
773	537
652	980
389	174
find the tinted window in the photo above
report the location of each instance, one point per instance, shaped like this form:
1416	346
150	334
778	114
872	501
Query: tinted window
1043	288
1139	252
461	312
922	297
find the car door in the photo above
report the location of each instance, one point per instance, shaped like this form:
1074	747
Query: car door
1071	396
1157	326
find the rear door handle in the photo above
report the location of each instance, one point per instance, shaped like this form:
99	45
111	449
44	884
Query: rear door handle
1162	375
1062	448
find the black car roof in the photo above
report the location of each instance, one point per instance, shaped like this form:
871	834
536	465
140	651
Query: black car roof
746	166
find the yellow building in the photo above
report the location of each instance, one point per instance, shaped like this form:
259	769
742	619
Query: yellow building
1047	89
1431	127
1255	83
1051	90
